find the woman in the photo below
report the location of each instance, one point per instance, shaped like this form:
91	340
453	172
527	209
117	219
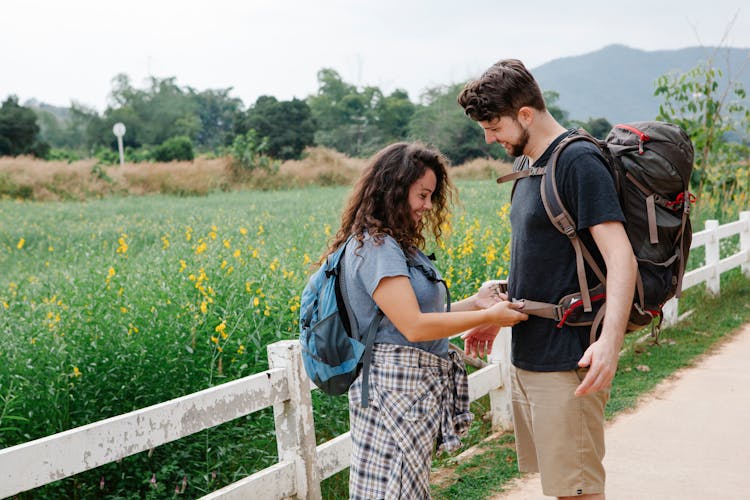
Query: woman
418	390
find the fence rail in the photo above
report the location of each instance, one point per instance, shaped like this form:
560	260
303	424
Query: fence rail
285	387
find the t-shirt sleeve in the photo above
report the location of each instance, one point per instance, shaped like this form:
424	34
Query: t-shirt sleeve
587	188
381	261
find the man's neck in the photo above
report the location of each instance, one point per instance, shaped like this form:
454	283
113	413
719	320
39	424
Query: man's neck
542	133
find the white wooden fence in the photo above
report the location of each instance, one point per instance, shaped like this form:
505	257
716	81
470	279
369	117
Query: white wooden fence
285	387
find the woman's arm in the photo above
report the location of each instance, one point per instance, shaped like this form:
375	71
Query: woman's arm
395	297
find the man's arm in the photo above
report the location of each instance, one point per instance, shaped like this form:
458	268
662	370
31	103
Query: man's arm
602	356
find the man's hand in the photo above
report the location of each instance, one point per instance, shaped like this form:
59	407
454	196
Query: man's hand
490	293
478	341
601	357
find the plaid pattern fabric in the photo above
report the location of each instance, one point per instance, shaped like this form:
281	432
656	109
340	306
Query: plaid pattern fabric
416	400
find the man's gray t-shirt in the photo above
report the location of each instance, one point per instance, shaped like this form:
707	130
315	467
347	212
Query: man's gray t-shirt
365	266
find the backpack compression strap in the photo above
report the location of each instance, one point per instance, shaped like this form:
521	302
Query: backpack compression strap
367	357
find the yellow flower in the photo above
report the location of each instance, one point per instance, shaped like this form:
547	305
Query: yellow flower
111	272
221	327
215	340
243	231
237	254
188	233
327	229
201	247
227	244
122	244
50	248
165	242
76	372
204	307
183	265
256	302
20	243
306	260
241	349
123	309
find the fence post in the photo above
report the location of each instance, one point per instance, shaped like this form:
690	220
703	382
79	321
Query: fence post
501	404
713	283
670	312
295	428
745	241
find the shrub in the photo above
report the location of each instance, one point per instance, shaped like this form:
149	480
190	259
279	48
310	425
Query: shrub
178	148
248	154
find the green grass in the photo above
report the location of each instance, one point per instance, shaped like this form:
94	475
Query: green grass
112	305
107	306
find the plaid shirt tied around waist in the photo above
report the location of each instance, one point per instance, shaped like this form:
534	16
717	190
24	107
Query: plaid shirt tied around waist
417	399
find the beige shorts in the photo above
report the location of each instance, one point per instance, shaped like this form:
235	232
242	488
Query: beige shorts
558	434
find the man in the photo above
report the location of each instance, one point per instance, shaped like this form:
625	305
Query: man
560	383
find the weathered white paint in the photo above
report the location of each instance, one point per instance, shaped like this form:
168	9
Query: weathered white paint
295	428
334	455
501	403
712	257
484	380
276	481
61	455
745	240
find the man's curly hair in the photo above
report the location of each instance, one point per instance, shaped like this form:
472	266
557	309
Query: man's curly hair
501	91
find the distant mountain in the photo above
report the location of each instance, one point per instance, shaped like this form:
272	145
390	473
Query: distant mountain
618	82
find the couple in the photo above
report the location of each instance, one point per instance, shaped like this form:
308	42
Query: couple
418	388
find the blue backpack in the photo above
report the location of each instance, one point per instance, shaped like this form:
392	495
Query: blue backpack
333	352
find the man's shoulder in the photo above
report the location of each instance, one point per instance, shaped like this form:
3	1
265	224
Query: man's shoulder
580	148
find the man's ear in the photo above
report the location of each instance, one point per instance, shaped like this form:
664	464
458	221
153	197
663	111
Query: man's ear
526	115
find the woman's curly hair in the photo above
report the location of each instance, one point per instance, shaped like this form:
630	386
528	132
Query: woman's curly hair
379	202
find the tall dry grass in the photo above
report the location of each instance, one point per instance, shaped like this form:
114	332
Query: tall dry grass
31	178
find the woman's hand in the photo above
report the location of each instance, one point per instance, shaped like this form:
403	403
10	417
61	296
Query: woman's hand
507	313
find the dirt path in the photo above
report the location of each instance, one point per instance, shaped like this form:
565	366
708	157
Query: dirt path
690	439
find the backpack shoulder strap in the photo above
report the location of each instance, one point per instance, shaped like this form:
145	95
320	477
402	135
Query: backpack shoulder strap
562	220
349	320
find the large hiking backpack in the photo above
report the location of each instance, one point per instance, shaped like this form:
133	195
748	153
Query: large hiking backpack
651	164
333	351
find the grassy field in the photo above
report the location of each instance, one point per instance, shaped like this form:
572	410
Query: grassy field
115	304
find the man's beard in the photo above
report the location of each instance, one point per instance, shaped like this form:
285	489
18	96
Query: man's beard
517	149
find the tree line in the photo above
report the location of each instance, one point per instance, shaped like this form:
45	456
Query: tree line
167	121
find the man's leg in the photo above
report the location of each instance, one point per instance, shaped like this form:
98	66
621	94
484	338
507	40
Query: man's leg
566	432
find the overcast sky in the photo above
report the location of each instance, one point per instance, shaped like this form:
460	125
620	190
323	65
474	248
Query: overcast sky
59	51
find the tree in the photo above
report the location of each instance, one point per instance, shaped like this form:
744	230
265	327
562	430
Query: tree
598	127
392	114
287	126
441	122
217	113
716	117
19	131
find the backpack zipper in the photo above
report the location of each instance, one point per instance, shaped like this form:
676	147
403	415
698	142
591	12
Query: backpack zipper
642	137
